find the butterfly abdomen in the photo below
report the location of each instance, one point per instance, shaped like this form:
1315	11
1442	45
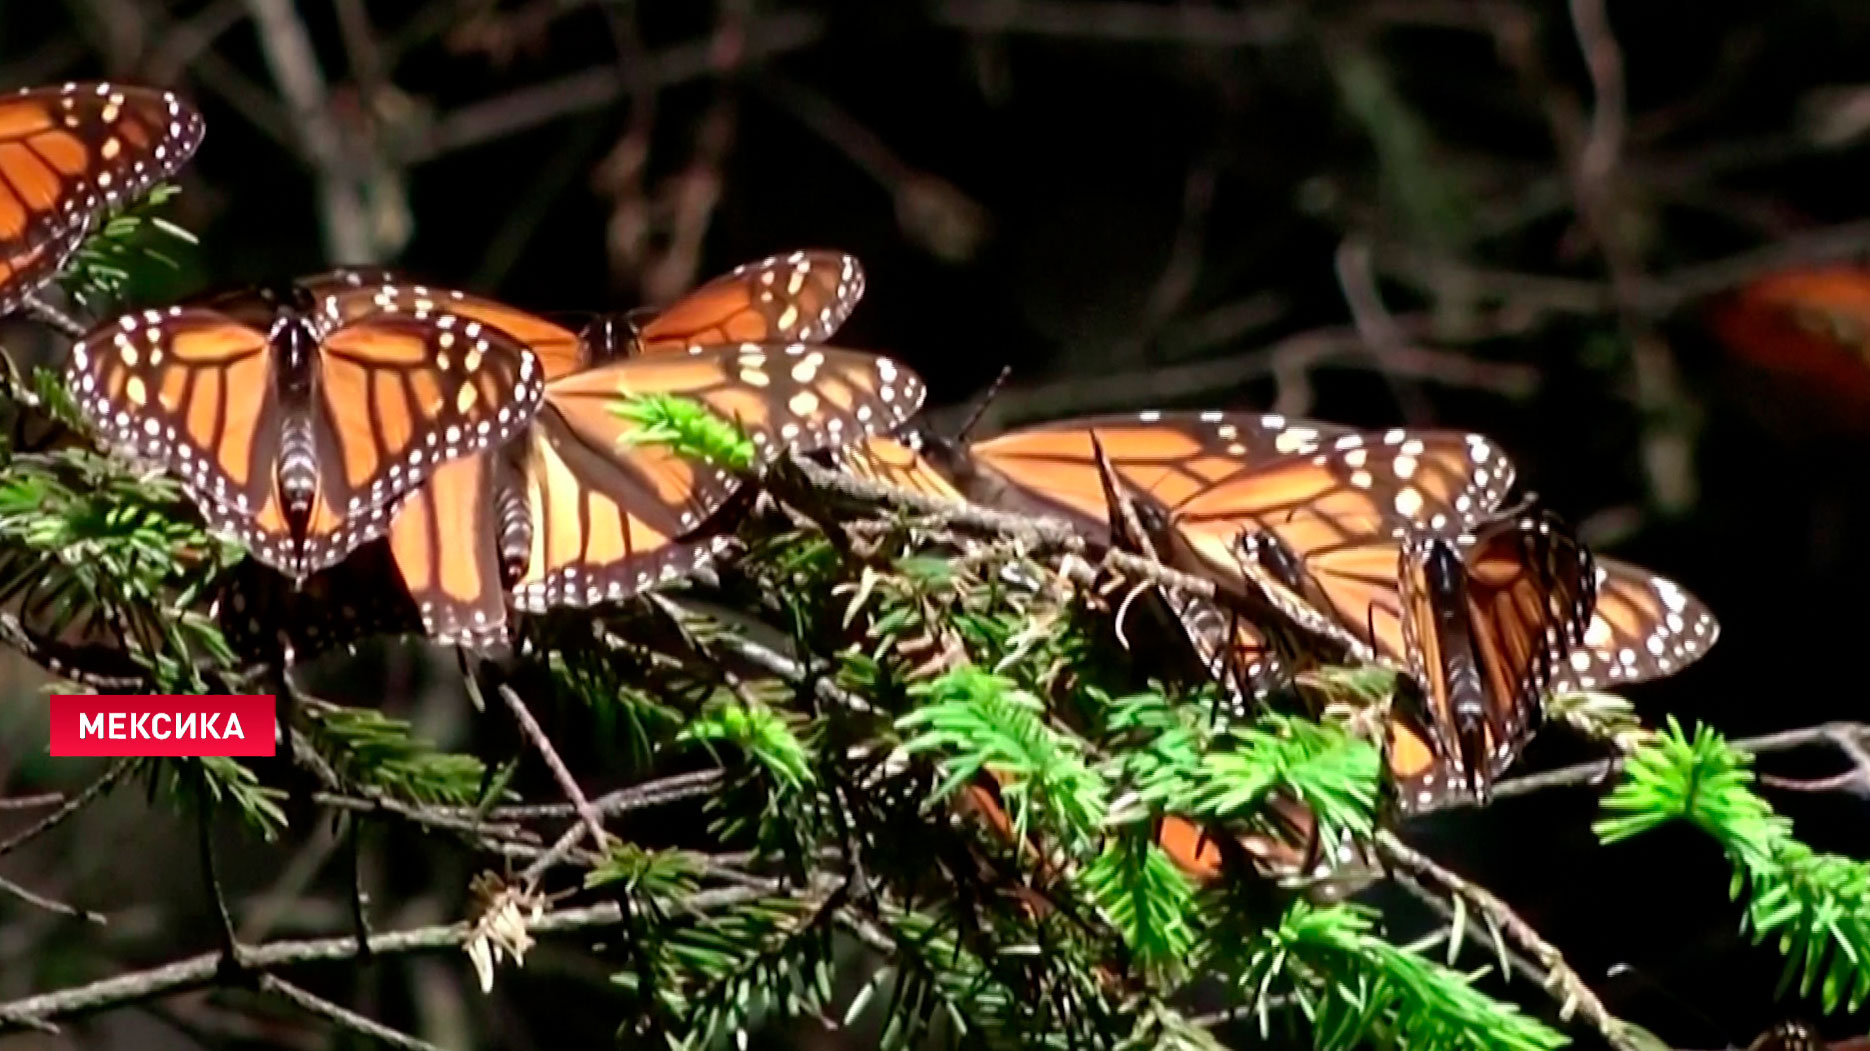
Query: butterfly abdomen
1445	574
514	518
297	349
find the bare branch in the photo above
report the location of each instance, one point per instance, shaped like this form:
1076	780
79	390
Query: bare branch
199	971
566	783
294	64
1185	24
1832	734
1564	982
528	108
343	1017
110	777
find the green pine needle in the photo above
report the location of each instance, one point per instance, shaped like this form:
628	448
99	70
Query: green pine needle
761	733
689	429
983	722
373	751
1147	899
1354	988
1816	906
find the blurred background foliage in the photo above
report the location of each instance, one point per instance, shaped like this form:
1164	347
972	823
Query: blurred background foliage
1511	216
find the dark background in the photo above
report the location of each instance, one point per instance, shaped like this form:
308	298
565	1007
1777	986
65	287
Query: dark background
1401	211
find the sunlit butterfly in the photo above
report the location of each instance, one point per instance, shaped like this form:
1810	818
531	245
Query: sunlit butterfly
298	423
796	297
67	153
1644	627
1316	520
576	513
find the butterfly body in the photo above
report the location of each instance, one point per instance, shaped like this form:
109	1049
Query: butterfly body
299	422
578	510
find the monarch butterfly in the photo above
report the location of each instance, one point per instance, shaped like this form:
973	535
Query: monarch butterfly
797	297
1806	330
1315	519
67	153
298	423
570	516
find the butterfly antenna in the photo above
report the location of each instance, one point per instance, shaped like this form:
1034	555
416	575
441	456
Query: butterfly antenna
980	408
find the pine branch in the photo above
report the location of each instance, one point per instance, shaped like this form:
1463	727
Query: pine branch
1818	905
1573	993
196	972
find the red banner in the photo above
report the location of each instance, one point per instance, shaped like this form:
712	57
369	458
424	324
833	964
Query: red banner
162	724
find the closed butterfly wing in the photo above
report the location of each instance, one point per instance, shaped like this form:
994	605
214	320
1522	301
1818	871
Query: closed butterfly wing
70	152
1163	459
1322	531
1643	627
1489	617
612	514
454	542
800	297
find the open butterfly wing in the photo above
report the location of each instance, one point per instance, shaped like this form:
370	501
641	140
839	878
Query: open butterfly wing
613	514
1644	627
798	297
67	153
348	295
403	393
189	389
1318	534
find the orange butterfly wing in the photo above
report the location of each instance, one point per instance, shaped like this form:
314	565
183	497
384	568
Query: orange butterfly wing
801	296
895	462
389	396
1644	627
612	516
67	153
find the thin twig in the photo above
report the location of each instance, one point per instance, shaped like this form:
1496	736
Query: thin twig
566	783
1377	325
231	962
1571	989
527	108
660	792
1601	770
199	971
43	799
1340	346
344	1018
54	317
7	886
1190	25
110	777
294	64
